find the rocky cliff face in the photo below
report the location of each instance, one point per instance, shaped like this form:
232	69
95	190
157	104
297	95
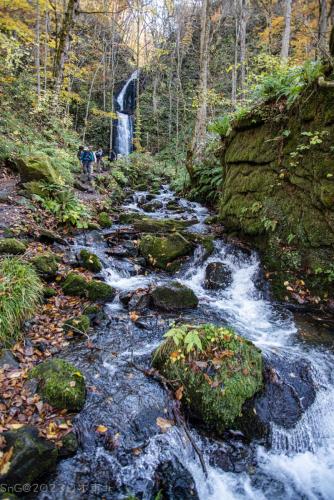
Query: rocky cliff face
279	187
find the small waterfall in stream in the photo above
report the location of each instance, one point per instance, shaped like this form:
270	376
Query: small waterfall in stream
124	136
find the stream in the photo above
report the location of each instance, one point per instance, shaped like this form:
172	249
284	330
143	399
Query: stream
296	460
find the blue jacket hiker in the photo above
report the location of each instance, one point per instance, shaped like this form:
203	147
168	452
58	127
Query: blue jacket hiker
87	159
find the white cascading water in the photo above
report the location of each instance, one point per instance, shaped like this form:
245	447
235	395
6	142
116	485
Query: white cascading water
124	125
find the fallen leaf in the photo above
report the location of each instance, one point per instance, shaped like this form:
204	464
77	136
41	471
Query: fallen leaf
179	393
133	316
5	461
164	423
101	428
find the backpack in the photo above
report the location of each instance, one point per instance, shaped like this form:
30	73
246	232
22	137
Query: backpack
86	156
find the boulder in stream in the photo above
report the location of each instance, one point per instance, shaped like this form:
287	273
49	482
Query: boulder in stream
148	225
90	261
174	297
217	276
152	206
60	384
173	482
162	251
32	457
217	370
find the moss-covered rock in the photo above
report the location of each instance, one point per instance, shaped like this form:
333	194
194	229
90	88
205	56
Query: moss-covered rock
49	292
69	446
219	371
174	297
46	265
99	291
78	324
104	220
75	284
162	251
148	225
32	457
36	168
152	206
90	261
12	246
60	384
129	218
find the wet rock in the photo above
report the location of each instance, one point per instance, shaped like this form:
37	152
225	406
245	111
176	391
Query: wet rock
32	456
233	455
136	301
104	220
207	242
127	249
288	391
69	446
129	218
152	206
46	265
172	481
60	384
90	261
174	297
215	386
7	358
12	246
47	236
36	168
217	276
173	205
161	251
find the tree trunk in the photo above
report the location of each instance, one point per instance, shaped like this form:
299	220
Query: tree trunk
198	139
38	50
243	30
88	103
331	43
322	29
287	31
46	48
63	43
235	65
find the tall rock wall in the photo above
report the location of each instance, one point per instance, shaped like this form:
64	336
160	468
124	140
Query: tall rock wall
279	186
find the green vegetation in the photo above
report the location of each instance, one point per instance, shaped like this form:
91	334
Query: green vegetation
90	261
218	370
60	384
79	324
21	291
163	251
104	220
77	285
12	246
46	265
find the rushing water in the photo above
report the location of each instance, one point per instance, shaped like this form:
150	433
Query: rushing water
124	121
296	463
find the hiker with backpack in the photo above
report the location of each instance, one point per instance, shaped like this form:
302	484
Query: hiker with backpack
87	159
99	159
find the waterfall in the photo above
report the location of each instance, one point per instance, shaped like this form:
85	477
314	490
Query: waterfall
124	121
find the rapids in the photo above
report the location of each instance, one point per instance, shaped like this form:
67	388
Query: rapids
295	462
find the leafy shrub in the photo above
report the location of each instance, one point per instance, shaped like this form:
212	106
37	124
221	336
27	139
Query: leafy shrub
221	126
63	203
21	291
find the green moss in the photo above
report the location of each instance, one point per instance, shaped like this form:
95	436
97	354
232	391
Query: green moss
60	383
92	310
37	168
218	378
104	220
90	261
49	292
46	265
161	251
148	225
81	323
12	246
99	291
75	284
129	218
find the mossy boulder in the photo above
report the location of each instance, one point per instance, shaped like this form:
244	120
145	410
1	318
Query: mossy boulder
69	446
104	220
152	206
60	384
49	292
46	265
129	218
90	261
99	291
75	284
218	370
174	297
36	168
162	251
12	246
32	457
79	324
148	225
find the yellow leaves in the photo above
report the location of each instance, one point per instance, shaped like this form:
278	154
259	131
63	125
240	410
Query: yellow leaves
101	429
133	315
5	460
164	424
179	393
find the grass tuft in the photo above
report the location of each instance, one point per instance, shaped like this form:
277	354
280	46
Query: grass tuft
20	293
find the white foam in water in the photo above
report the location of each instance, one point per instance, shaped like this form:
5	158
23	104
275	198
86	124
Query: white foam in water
116	280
